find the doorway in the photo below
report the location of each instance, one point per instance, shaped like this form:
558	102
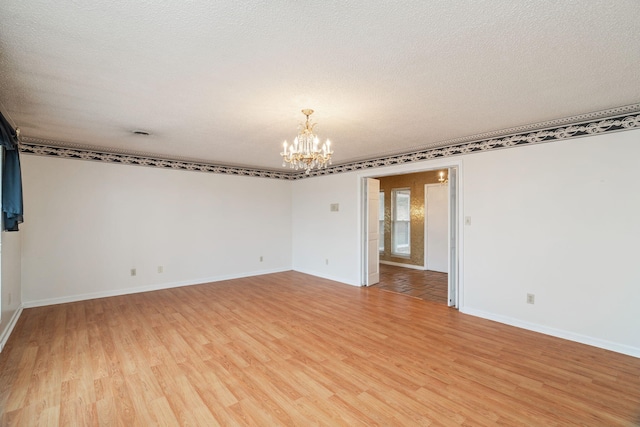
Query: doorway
433	278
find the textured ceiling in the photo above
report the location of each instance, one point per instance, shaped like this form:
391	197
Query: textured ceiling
224	82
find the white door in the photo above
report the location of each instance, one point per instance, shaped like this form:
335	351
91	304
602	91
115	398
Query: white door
436	227
453	238
372	192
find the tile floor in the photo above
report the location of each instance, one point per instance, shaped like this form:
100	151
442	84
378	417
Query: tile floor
423	284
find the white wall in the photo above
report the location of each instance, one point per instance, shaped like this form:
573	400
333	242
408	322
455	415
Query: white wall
558	220
320	235
87	224
11	286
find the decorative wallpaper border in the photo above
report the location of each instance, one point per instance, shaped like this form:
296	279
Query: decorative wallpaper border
479	144
28	147
574	131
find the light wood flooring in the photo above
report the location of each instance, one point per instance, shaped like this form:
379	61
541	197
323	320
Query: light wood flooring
423	284
291	349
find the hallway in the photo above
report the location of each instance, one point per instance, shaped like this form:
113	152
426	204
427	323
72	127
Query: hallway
422	284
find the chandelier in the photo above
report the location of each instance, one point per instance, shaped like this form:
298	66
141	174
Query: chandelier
305	152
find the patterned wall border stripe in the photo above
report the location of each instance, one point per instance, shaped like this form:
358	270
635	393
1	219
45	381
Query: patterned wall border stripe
625	122
561	133
125	159
549	124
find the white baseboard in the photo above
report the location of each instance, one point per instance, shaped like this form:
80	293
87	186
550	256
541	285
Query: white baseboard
559	333
399	264
327	276
7	331
139	289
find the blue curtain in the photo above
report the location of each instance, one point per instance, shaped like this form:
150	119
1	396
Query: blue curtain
11	177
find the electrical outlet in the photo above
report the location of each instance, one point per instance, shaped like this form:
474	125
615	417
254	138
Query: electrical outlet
160	269
467	220
326	261
133	271
261	258
531	299
334	207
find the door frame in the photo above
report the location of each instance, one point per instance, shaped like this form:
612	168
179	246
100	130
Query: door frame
439	164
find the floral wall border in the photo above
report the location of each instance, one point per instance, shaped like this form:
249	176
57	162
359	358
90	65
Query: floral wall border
624	122
28	147
627	122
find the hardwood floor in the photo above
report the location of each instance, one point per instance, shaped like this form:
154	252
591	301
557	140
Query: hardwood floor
291	349
426	285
